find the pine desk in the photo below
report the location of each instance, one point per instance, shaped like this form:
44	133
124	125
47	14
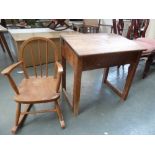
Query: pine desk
93	51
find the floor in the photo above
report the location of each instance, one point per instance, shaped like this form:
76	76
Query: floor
101	110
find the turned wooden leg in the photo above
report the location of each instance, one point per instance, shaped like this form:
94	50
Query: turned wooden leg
147	65
59	113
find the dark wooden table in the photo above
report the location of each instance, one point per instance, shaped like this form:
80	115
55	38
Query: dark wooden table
92	51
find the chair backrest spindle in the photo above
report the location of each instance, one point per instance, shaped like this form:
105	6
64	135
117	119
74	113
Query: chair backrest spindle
39	50
33	61
46	59
39	55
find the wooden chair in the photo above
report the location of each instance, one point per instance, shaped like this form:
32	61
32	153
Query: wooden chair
136	31
117	28
137	28
38	88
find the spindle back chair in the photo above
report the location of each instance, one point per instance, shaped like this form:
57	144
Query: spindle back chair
39	88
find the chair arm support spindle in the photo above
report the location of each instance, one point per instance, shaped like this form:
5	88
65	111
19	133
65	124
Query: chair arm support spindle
59	67
58	74
13	84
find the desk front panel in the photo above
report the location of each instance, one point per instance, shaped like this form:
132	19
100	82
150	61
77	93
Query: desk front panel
109	60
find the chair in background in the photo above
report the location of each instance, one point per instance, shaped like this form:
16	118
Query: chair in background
137	28
118	26
136	31
39	88
90	26
149	54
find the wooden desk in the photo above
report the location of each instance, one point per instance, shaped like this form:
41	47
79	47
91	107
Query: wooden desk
3	42
93	51
20	35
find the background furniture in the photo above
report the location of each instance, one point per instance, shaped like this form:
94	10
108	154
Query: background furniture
90	26
20	35
4	43
149	44
93	51
76	24
120	26
38	88
137	30
58	24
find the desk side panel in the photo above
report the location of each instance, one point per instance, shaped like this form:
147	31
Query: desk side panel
69	54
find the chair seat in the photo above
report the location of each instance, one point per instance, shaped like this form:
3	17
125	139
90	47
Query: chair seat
37	90
149	44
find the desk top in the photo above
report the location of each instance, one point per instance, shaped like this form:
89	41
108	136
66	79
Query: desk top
101	43
3	29
24	34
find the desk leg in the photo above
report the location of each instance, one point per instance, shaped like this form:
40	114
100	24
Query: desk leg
64	83
64	73
131	72
129	79
77	87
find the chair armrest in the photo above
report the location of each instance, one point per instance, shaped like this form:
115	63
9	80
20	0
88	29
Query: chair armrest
59	67
8	70
58	75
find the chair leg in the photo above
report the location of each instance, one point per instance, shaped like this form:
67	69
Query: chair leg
18	110
59	113
147	65
20	118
